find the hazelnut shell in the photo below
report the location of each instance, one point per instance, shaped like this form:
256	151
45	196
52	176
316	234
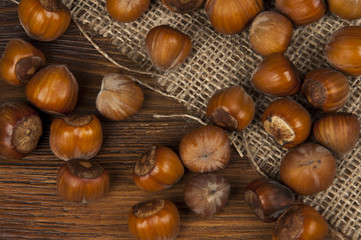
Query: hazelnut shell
44	20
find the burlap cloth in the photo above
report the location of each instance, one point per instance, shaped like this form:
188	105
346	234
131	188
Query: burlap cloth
218	61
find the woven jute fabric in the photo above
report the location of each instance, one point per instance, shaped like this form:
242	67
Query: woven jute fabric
219	61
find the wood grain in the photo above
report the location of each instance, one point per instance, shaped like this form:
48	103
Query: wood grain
30	207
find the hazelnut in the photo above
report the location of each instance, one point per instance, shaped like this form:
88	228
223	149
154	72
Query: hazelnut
270	32
44	20
206	194
53	89
20	61
183	6
231	108
76	137
268	198
339	132
287	122
302	12
158	168
125	10
300	222
308	169
119	98
342	50
347	9
205	149
231	16
326	89
153	220
82	181
20	129
167	47
276	76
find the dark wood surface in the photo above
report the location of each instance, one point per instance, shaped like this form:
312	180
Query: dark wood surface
30	207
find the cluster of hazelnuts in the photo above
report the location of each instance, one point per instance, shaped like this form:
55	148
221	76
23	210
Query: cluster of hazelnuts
306	169
78	138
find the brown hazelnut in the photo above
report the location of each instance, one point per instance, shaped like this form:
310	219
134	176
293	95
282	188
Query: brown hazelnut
276	76
326	89
76	137
158	168
53	89
342	50
270	32
300	222
287	122
125	10
167	47
119	98
231	108
206	194
44	20
302	12
231	16
20	130
205	149
82	181
153	220
308	169
20	61
268	198
183	6
339	132
348	9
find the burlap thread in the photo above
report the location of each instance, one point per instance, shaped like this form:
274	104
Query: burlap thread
218	61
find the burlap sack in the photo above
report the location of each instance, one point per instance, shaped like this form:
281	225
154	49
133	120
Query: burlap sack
218	61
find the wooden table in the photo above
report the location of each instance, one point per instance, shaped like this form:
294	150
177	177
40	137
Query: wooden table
30	207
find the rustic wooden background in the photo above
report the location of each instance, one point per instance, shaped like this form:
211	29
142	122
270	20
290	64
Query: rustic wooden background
29	205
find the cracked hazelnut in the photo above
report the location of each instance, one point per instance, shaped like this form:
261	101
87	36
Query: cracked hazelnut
287	122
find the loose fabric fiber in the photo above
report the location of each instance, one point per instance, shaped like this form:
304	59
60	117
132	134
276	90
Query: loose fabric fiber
219	61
